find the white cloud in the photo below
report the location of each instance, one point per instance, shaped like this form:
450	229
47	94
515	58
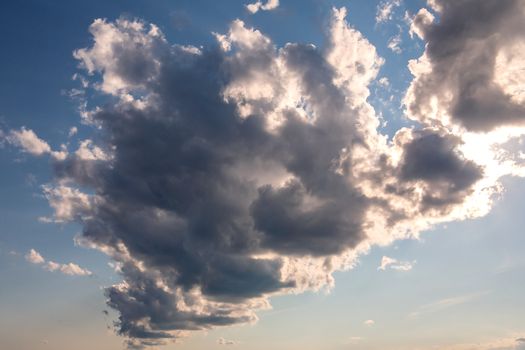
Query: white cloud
34	257
256	6
223	341
89	151
369	323
73	131
385	10
71	269
394	44
29	142
67	203
394	264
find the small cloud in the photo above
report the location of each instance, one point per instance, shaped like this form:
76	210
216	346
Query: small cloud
386	9
222	341
256	6
73	131
394	44
384	82
70	269
34	257
29	142
394	264
369	323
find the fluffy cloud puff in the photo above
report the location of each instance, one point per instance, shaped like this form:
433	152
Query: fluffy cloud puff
71	269
229	174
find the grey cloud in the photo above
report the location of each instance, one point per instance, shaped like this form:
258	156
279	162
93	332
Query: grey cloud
462	48
434	159
217	171
171	196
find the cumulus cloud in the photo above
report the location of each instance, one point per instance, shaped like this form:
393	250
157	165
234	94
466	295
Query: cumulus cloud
258	5
394	264
222	176
71	269
446	303
463	77
29	142
34	257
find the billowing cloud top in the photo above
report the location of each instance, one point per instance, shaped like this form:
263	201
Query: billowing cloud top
472	71
226	175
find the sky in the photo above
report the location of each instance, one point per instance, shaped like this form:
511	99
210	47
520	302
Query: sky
312	174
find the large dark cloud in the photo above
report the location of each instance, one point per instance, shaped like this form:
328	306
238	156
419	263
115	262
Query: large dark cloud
463	46
199	236
221	176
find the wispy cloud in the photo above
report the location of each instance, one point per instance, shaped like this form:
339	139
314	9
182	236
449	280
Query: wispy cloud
394	264
223	341
446	303
385	10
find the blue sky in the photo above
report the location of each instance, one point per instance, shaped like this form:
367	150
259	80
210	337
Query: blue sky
452	273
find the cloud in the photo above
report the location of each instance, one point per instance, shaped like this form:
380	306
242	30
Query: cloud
395	264
369	323
29	142
222	341
446	303
72	131
71	269
464	75
394	44
34	257
507	342
385	10
220	176
258	5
